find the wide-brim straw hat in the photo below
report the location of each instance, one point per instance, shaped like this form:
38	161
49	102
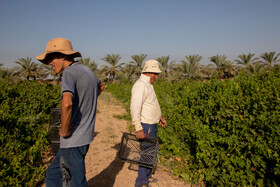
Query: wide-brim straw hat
151	66
58	45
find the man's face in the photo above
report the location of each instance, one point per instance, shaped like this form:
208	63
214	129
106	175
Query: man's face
56	63
153	77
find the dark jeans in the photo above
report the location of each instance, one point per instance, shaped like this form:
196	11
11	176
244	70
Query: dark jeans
145	173
68	168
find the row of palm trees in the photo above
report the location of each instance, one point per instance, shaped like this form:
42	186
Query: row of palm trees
26	69
114	71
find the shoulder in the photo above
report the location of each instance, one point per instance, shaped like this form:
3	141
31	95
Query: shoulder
77	69
139	83
139	87
76	66
68	72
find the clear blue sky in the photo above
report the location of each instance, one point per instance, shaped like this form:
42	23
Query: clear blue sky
127	27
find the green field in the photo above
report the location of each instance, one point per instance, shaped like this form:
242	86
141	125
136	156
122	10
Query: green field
24	115
220	133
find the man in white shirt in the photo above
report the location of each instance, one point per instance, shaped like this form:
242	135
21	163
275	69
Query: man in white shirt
145	112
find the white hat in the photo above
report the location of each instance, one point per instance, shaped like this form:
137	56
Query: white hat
151	66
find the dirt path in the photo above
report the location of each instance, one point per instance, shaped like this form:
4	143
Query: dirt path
103	168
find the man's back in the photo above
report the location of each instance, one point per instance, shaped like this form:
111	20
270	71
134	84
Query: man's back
79	80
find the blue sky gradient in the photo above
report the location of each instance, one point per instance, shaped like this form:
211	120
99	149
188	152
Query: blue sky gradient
126	27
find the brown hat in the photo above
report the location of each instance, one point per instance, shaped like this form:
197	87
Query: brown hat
58	45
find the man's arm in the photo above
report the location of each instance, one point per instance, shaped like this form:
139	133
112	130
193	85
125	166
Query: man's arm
137	97
66	113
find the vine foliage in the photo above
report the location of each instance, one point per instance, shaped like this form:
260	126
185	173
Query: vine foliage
220	133
24	112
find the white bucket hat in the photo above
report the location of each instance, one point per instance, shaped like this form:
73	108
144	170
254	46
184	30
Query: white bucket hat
151	66
58	45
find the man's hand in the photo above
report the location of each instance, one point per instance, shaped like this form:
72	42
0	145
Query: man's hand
162	122
100	88
67	132
140	134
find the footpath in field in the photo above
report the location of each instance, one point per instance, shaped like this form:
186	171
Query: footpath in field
103	168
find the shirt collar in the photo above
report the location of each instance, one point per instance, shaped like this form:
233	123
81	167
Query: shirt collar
145	78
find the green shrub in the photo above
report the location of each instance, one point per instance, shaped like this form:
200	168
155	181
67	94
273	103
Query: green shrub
221	133
24	109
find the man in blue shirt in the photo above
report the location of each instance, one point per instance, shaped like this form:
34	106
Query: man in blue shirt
80	89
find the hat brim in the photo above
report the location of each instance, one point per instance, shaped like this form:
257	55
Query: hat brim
152	71
42	57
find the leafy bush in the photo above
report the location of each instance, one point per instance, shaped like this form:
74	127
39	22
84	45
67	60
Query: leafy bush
24	108
221	133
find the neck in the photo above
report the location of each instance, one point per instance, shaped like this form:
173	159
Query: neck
148	75
67	63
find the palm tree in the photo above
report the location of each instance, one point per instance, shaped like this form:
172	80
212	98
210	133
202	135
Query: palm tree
191	66
28	68
219	60
8	73
165	65
270	59
44	71
111	69
206	71
245	60
126	74
137	63
228	69
255	68
90	63
48	70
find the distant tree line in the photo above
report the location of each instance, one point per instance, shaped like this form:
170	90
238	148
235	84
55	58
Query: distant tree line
114	71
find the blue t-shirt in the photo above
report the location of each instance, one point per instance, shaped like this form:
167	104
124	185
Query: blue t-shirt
79	80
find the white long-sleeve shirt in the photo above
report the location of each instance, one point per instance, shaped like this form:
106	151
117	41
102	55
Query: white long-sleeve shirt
144	105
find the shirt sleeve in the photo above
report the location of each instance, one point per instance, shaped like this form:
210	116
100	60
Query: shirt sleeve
68	83
137	99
